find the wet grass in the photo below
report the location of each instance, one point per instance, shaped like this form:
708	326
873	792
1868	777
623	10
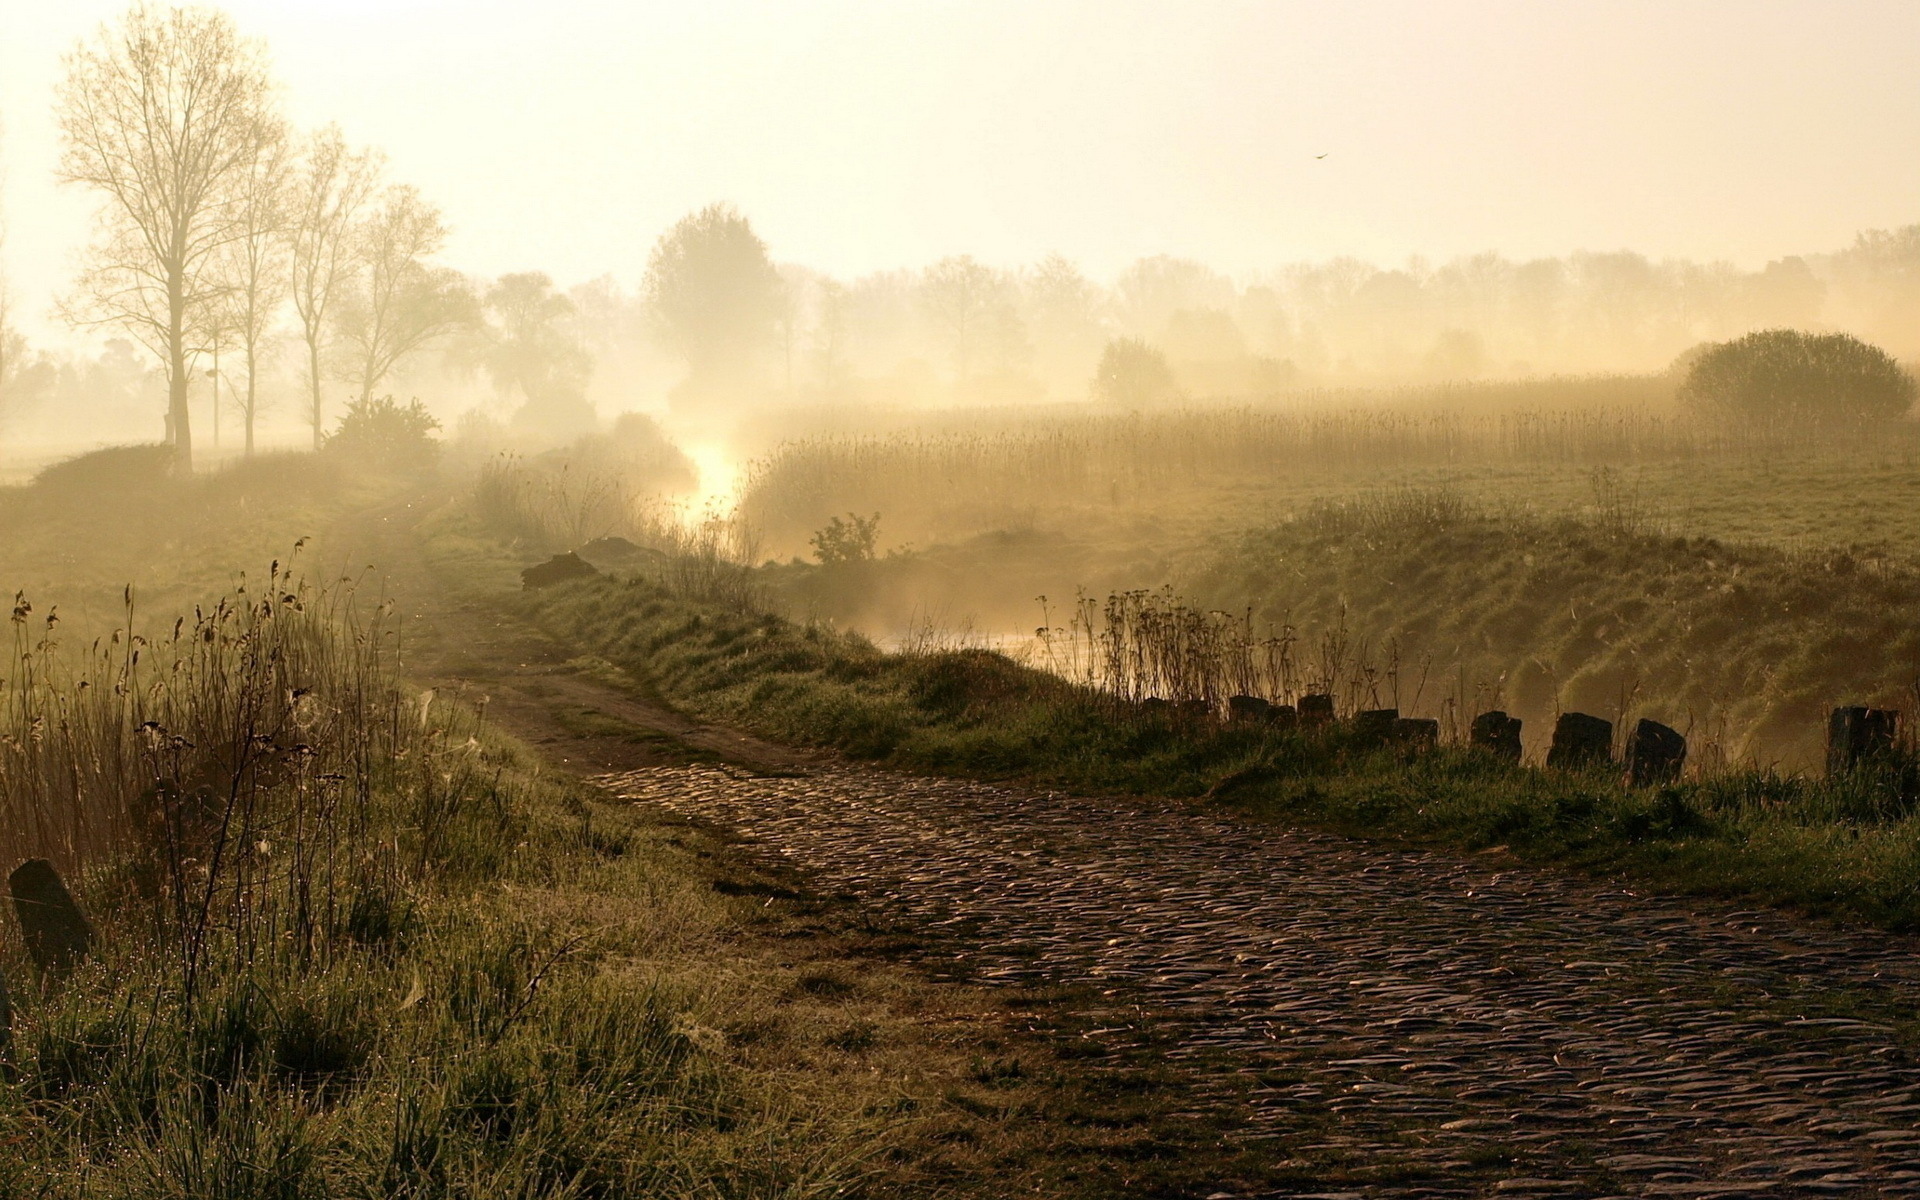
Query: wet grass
1848	848
365	944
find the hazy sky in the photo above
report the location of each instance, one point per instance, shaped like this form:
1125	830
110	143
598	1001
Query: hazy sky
565	135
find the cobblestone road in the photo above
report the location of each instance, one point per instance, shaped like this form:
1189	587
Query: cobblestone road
1469	1028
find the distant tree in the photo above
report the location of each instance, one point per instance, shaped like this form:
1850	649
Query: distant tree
1062	311
329	189
714	295
398	302
1787	375
164	116
13	349
252	269
13	344
1457	354
1132	374
830	335
1151	290
1204	335
966	300
528	344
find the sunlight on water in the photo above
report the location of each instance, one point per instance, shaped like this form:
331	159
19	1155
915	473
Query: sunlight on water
720	476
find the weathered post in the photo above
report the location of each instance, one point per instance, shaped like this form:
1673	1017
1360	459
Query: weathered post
57	933
1580	740
1316	709
1283	716
1249	709
1655	754
1374	726
1497	733
1857	734
1421	733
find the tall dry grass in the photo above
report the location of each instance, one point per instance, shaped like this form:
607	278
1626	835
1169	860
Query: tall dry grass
1153	645
1139	459
254	782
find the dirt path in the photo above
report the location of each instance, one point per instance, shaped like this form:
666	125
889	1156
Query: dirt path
1435	1025
1469	1028
532	684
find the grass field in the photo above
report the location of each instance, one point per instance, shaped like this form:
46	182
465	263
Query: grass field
1622	564
1601	558
1847	848
357	941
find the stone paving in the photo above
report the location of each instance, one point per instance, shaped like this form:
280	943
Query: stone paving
1452	1022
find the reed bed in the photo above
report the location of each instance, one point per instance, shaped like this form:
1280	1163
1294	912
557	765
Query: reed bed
1153	645
1138	458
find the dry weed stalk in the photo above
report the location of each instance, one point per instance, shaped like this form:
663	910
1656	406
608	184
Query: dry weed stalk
231	778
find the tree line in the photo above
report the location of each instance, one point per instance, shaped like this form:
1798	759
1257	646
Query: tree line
221	226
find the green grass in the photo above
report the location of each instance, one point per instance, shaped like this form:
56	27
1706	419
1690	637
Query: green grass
1849	849
563	1014
86	530
1748	645
470	977
1744	646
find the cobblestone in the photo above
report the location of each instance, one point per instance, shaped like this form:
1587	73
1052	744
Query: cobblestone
1440	1010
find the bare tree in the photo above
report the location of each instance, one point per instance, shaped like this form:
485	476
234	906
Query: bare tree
253	269
331	186
398	302
967	301
162	115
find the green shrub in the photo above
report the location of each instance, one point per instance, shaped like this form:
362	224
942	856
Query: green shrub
384	434
1784	375
1133	374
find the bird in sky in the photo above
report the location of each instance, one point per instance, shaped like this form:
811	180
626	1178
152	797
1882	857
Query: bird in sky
1317	157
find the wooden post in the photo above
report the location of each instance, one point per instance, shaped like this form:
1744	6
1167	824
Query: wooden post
1497	733
57	933
1655	754
1856	734
1580	740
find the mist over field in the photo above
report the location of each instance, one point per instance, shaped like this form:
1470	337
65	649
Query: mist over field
782	600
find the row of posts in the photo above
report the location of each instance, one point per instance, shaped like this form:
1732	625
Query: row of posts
1655	753
59	937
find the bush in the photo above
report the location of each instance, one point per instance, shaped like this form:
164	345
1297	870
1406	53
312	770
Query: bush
1786	375
115	469
1132	374
850	541
382	433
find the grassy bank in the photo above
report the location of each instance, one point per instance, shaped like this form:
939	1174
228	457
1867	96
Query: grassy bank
352	940
1746	647
1849	848
1751	645
349	942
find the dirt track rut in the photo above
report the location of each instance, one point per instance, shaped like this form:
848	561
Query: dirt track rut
1442	1025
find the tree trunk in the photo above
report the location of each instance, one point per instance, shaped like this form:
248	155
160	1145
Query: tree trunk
248	417
179	425
313	376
